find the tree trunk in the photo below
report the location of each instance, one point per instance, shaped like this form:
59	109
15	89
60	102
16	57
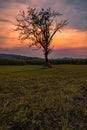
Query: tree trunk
46	59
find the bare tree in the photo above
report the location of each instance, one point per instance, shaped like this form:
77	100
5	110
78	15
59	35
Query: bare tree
39	26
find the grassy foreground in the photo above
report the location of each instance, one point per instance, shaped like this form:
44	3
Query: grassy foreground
34	98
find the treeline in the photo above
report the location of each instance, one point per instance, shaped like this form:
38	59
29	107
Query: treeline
69	61
12	61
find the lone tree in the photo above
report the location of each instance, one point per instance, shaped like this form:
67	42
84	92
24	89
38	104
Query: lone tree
39	26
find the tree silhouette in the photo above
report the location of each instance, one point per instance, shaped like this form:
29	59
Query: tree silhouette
39	26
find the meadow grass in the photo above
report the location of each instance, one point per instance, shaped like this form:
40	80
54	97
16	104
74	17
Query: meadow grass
35	98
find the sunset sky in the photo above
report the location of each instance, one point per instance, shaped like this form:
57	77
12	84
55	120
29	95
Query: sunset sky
71	42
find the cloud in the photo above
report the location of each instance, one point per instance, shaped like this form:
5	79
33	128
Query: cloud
3	37
70	38
26	51
77	12
17	1
4	20
70	52
79	4
74	10
57	53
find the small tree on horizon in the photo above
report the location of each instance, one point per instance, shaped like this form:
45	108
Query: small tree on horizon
39	26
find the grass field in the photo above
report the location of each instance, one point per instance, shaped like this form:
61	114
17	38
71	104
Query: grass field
36	98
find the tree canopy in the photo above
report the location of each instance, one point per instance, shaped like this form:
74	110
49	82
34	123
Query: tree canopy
39	26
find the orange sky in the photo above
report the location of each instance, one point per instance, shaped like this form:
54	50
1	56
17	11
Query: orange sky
70	37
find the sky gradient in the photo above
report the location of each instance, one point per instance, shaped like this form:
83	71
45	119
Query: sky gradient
71	42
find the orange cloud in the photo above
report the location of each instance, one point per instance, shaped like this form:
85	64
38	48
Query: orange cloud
9	38
70	38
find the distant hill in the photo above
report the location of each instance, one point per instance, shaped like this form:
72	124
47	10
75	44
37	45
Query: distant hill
16	56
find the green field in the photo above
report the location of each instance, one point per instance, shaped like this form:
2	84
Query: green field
36	98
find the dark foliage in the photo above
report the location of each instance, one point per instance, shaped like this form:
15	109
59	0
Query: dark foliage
30	61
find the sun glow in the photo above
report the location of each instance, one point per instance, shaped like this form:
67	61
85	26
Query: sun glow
70	38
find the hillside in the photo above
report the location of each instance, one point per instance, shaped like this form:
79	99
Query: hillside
16	56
